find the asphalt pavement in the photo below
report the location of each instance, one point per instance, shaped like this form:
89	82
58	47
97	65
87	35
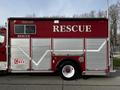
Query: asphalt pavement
54	82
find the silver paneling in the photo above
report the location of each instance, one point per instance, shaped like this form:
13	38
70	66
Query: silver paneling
20	51
102	73
96	60
41	54
68	46
94	43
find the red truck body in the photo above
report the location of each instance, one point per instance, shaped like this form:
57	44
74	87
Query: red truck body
52	44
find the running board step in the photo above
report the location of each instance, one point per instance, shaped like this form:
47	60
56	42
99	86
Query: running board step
17	71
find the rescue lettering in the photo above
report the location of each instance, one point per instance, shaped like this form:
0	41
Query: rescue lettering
72	28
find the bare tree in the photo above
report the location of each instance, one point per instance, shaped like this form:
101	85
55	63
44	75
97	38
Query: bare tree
92	14
102	14
113	17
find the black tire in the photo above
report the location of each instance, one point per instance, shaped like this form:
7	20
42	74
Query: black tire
70	74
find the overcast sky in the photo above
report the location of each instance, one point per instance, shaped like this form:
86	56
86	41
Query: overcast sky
15	8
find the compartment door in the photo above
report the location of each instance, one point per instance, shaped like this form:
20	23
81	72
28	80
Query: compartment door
20	54
96	54
41	54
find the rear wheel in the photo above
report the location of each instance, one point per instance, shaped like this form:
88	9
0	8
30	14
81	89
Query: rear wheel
68	70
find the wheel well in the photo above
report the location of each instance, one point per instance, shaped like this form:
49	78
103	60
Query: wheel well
70	60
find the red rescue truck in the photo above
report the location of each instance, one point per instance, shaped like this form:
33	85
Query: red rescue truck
69	46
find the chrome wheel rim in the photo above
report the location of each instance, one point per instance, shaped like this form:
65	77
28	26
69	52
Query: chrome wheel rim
68	71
